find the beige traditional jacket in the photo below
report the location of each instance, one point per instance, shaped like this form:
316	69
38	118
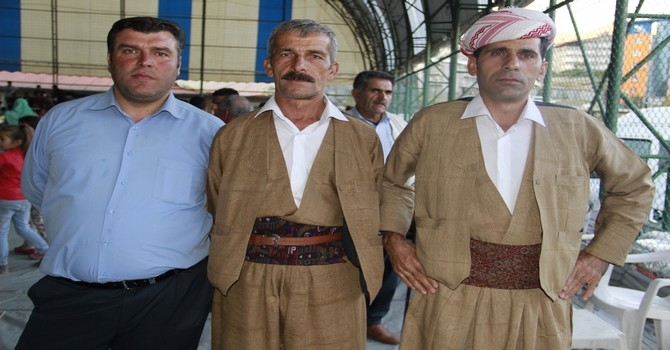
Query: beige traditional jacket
238	183
441	149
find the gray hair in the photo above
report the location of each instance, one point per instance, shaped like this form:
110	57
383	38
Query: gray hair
237	105
363	78
303	27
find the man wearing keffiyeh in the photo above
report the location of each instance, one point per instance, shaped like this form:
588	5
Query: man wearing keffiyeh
501	189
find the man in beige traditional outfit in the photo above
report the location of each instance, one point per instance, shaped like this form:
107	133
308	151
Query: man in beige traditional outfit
501	190
292	188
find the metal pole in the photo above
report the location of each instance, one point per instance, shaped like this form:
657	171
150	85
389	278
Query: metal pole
54	41
549	57
202	48
453	61
427	63
616	62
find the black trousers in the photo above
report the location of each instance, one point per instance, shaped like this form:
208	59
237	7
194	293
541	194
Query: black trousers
167	315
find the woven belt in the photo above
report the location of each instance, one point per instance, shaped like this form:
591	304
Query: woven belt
503	266
280	242
276	240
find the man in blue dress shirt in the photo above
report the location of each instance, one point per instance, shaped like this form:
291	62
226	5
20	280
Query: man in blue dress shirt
120	180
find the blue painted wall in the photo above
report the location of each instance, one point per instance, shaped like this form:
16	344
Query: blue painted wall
270	13
10	40
180	12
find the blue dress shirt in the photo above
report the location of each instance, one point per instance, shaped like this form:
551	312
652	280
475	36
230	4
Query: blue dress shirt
121	200
383	129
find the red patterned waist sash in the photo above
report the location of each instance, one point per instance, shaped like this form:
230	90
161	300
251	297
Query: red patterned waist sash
503	266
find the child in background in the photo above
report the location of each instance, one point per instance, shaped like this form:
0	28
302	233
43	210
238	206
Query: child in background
14	207
36	222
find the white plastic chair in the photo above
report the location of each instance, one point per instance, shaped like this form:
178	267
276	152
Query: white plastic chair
632	307
592	332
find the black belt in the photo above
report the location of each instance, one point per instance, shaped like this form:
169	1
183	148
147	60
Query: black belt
129	284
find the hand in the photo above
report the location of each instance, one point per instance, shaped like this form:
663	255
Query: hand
406	264
587	271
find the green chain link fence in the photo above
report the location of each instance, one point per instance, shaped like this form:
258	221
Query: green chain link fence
583	69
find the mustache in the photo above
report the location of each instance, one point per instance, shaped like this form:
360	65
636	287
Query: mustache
297	76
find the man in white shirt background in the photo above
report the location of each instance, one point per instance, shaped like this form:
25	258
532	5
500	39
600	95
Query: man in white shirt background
373	91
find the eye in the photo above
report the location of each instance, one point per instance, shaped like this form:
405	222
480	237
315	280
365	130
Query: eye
527	55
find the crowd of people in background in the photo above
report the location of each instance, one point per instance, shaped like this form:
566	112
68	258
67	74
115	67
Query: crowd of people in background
16	103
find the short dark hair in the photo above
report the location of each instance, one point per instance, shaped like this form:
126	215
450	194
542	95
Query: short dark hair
544	47
146	25
225	92
363	78
303	27
198	101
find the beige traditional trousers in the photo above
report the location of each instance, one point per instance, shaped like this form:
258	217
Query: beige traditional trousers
291	307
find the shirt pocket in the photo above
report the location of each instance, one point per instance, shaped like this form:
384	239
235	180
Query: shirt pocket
572	193
179	182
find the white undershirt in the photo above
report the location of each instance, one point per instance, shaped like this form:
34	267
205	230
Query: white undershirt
504	153
300	147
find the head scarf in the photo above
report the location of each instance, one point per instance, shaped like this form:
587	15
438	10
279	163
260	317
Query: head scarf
20	108
507	24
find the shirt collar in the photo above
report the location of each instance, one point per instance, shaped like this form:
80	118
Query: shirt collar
107	100
477	108
358	115
331	110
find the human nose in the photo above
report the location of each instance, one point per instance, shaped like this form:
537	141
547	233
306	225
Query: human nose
299	63
146	60
512	62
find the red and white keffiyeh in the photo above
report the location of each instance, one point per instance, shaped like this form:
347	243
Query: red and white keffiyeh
507	24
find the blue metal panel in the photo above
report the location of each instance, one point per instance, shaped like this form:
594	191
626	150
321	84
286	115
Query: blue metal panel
270	14
10	40
180	12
